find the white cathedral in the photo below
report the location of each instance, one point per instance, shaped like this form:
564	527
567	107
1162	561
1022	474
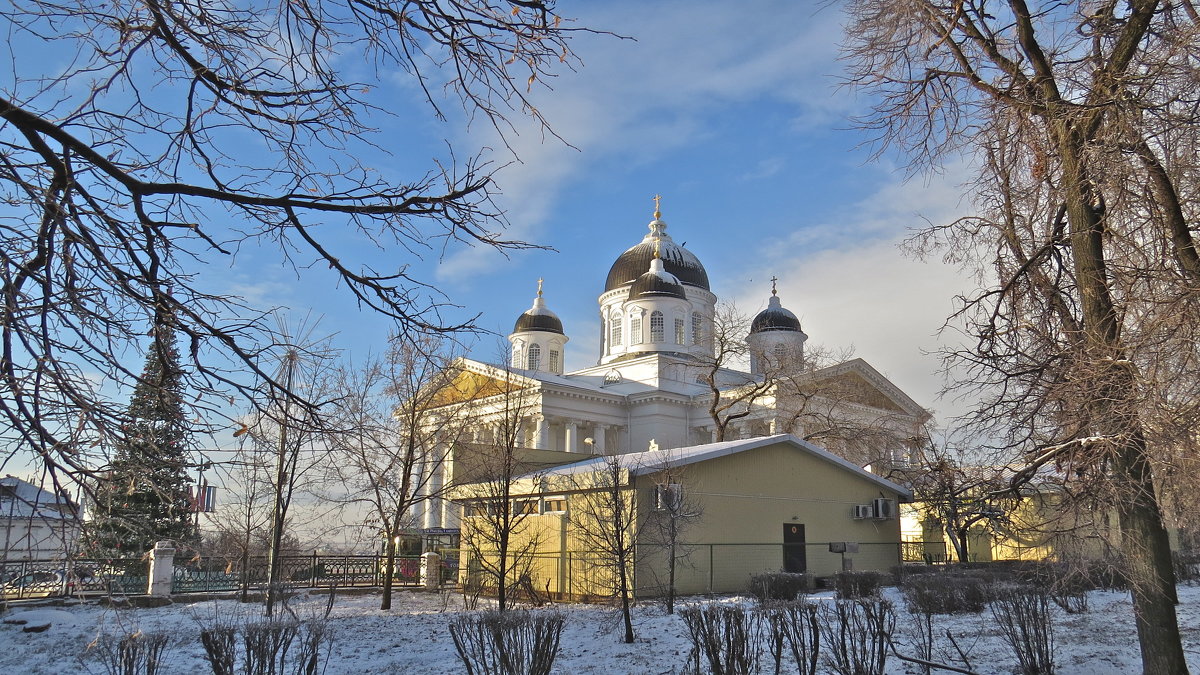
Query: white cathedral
653	383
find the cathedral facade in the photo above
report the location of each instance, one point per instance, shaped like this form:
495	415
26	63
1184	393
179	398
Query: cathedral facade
671	372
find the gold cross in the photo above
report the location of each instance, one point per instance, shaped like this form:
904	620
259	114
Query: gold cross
539	287
773	280
657	206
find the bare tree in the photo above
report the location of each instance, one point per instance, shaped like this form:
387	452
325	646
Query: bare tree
393	438
959	496
128	171
731	395
803	392
295	436
490	473
603	518
665	526
1081	119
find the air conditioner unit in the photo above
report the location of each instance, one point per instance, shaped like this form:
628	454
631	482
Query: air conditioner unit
863	511
885	509
668	496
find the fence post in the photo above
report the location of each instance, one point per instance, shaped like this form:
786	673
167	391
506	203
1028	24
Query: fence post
312	577
162	569
431	570
711	570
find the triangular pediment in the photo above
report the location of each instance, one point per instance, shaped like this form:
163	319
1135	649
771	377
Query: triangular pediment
474	381
855	381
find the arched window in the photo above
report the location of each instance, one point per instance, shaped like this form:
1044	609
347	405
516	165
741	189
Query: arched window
516	356
679	337
615	331
635	329
656	327
554	367
534	360
780	354
697	327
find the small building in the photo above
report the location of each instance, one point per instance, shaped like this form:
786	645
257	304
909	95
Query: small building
36	524
745	507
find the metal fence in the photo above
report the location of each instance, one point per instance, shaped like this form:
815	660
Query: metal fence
81	577
700	568
92	577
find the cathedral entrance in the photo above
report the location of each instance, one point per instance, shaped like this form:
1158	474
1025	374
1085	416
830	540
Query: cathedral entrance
794	555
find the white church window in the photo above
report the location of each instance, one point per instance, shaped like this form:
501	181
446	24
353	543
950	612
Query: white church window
656	327
780	354
554	361
697	327
516	356
635	329
615	330
534	359
679	337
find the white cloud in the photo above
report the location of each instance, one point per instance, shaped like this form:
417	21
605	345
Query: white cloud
851	285
639	100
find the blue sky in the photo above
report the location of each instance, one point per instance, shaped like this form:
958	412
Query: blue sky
734	114
736	117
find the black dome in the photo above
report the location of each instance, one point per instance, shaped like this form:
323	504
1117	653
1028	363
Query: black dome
546	321
658	285
774	317
676	259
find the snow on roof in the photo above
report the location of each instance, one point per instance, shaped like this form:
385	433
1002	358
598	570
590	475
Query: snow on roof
22	499
651	461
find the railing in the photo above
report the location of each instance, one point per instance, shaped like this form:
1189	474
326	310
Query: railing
77	577
129	576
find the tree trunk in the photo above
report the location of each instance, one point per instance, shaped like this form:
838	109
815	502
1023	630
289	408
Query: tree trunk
389	569
1112	412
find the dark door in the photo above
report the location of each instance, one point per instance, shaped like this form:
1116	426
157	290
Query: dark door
794	559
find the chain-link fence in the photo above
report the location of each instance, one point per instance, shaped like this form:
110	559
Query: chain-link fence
699	568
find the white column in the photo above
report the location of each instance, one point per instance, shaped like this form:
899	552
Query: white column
162	568
713	433
599	439
433	506
571	437
543	432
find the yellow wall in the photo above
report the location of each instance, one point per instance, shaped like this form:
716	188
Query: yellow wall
745	500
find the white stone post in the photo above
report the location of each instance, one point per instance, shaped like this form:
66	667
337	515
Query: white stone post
431	570
543	433
571	437
162	569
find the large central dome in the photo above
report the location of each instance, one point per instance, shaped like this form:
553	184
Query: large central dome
676	259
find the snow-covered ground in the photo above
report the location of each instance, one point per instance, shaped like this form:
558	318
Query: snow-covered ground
413	638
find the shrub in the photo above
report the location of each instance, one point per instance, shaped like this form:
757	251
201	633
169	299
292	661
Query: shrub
779	585
1023	614
945	594
138	652
726	637
1187	565
853	585
516	642
857	634
793	629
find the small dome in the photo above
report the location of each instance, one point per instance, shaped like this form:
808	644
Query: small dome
774	317
538	317
546	321
657	283
677	260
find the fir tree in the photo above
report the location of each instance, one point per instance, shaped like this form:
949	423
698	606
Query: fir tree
145	498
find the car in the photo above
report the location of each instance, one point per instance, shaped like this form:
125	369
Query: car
40	584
